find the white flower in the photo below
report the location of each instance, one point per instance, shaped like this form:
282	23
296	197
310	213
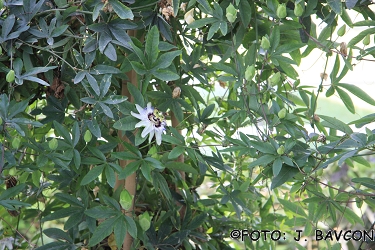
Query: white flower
152	120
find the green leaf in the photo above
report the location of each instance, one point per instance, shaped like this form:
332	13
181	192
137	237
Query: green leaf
102	69
131	226
61	213
264	147
96	152
68	199
336	6
93	84
357	92
92	175
137	95
130	169
201	22
285	174
127	123
181	167
75	133
264	160
207	112
121	10
176	5
176	151
55	246
57	234
62	132
152	44
110	175
166	59
352	217
346	100
360	36
11	192
120	230
206	6
293	207
276	166
103	230
101	212
365	181
161	184
166	75
245	13
126	199
334	123
94	127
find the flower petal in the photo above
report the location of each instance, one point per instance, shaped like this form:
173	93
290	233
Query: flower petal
142	123
151	135
139	116
158	137
139	108
147	130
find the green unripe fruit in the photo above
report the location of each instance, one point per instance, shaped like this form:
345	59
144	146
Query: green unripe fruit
52	144
16	143
1	5
366	40
342	30
281	150
281	11
275	78
88	136
250	72
298	10
1	48
1	121
10	76
265	43
282	113
291	154
231	13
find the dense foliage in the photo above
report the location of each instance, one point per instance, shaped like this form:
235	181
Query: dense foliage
245	147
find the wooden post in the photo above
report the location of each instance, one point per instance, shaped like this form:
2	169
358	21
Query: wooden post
129	183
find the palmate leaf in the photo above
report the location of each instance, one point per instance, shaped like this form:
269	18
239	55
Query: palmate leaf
334	123
121	10
346	100
152	45
285	174
357	92
103	230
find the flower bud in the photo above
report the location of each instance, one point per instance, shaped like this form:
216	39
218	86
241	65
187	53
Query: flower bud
250	72
231	13
88	136
343	49
316	118
10	76
282	113
298	10
281	11
265	43
366	40
342	30
52	144
176	92
281	150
